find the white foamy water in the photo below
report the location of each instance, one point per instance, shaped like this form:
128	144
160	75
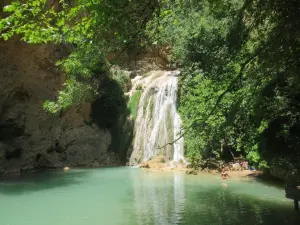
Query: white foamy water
158	122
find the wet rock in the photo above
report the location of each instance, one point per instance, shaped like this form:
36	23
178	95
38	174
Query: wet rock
174	73
3	149
144	165
90	151
12	166
132	74
48	161
66	168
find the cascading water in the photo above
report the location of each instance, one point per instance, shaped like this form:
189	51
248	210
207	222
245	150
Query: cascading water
158	122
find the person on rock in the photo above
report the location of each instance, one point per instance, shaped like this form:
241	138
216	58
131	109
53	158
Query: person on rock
244	164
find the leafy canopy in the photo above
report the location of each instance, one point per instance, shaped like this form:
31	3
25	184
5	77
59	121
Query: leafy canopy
244	56
91	29
240	87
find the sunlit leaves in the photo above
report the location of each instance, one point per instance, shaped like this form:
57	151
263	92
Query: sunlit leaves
74	93
212	44
91	30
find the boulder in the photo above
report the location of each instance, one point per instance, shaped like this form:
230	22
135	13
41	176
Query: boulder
236	167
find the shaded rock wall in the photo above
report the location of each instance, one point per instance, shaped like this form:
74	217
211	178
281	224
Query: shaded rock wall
31	138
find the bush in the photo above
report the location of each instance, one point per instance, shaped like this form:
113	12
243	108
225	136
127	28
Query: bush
133	103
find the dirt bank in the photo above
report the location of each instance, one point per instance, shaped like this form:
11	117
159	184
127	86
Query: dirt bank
235	174
158	164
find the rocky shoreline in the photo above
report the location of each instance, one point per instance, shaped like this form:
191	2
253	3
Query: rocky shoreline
159	165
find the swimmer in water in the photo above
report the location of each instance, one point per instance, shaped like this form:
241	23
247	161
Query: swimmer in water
224	173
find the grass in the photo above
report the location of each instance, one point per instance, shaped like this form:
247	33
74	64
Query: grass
133	103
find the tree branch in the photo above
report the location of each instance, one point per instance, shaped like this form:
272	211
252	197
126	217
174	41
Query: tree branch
134	35
230	86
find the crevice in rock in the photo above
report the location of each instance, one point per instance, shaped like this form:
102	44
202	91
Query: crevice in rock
14	154
10	130
57	148
21	94
37	157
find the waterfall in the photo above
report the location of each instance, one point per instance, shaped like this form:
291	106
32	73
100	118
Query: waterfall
158	121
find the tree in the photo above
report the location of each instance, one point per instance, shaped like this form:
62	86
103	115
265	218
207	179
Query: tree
91	29
240	87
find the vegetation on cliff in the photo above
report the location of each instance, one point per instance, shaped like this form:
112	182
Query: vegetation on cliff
240	86
93	31
239	89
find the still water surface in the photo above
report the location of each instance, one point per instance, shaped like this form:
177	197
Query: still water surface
128	196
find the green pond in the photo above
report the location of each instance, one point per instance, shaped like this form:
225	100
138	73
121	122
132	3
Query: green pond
129	196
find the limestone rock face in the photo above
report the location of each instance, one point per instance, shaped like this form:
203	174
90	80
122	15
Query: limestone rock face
87	146
32	139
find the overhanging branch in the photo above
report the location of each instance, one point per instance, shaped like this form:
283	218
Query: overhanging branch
230	86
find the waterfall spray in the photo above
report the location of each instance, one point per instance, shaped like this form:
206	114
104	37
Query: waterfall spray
158	121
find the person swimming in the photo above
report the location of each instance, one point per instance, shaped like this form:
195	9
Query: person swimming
224	173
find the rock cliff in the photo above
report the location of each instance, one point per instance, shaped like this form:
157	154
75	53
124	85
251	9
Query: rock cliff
31	138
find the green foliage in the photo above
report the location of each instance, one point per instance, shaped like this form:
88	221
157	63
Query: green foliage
284	163
122	77
240	86
110	22
133	103
93	30
242	55
75	93
195	160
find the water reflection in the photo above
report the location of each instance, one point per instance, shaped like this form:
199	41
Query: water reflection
126	196
224	206
39	181
174	198
159	198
